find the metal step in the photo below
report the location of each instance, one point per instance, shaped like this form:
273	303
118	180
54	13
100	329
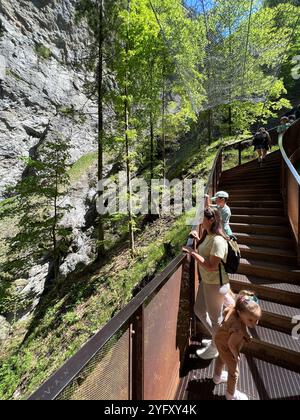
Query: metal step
261	229
253	196
278	242
259	220
278	317
253	165
267	289
257	211
241	187
282	272
287	256
274	346
256	204
254	173
259	380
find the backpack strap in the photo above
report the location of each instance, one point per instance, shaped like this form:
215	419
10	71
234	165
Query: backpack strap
221	278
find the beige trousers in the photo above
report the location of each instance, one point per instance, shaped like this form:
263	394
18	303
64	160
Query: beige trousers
226	358
208	307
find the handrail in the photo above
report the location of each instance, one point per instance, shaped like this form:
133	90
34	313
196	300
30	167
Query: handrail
289	144
289	164
61	378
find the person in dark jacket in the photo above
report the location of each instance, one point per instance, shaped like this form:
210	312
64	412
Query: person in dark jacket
262	143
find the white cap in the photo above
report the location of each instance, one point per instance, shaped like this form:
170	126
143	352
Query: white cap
221	194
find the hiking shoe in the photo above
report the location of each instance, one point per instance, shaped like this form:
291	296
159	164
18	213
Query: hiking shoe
221	379
206	342
208	353
238	396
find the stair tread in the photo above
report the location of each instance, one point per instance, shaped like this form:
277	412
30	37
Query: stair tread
253	164
254	381
260	281
253	190
265	226
254	172
263	217
264	237
260	192
279	309
257	211
276	338
261	202
265	250
253	224
270	265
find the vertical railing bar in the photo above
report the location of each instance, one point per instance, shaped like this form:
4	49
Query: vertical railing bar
298	244
138	355
192	271
221	169
131	333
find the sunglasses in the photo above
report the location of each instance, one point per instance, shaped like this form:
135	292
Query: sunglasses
208	214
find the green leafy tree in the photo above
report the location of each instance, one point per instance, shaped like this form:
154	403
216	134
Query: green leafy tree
275	3
99	15
39	204
246	49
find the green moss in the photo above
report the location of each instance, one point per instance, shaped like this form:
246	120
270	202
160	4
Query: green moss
72	113
81	166
42	51
11	73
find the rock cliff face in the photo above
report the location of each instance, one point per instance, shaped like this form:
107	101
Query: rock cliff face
41	95
41	88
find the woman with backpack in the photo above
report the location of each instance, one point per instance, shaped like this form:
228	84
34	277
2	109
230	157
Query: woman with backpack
212	250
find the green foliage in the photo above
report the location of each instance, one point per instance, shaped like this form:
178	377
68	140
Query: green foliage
275	3
42	51
73	114
245	53
39	203
81	166
90	304
11	73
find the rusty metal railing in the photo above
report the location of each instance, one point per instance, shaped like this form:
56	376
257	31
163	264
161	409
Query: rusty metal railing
289	143
138	354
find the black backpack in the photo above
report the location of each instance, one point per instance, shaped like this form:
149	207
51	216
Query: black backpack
233	259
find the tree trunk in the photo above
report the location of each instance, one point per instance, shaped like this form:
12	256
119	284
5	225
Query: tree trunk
151	147
151	127
54	238
164	124
230	87
128	172
230	120
209	126
101	248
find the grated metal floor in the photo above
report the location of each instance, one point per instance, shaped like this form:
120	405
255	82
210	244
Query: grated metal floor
258	379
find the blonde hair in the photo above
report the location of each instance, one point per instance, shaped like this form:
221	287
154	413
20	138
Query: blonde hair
247	301
284	120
